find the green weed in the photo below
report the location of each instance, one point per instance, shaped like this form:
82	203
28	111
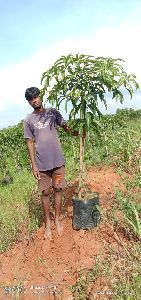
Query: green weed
131	212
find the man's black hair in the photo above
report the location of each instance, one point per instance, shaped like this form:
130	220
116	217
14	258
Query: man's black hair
31	92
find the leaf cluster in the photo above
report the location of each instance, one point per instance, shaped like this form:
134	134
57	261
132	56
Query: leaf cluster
81	81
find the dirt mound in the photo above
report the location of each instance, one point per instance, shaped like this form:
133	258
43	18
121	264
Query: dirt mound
40	265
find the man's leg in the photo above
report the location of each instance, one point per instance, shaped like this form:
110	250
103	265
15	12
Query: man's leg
58	210
58	181
45	188
46	207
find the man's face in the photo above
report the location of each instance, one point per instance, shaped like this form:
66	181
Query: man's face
35	102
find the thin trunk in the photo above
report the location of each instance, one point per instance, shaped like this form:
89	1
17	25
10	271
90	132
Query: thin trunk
82	144
81	173
106	147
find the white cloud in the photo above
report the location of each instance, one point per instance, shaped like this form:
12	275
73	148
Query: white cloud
16	78
122	41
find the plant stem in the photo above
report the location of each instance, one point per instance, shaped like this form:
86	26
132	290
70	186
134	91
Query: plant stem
105	139
81	174
82	145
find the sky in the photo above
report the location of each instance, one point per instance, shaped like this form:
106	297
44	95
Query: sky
35	33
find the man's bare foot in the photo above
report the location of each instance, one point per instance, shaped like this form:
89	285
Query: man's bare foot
59	226
48	233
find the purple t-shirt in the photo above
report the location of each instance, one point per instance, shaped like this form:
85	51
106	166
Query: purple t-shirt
42	127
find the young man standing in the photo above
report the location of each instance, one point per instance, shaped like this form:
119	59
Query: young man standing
48	163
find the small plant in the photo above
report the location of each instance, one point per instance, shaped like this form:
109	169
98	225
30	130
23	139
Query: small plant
131	213
132	217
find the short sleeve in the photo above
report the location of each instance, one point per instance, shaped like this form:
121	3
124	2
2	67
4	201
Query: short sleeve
27	130
59	119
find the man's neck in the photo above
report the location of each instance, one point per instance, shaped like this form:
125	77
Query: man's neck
39	110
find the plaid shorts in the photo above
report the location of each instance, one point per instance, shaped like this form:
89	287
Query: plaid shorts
52	178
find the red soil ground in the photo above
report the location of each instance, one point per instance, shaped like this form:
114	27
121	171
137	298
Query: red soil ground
44	264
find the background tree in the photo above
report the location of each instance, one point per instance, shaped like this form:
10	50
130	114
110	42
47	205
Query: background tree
83	81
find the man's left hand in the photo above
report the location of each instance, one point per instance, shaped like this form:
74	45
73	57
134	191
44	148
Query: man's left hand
75	133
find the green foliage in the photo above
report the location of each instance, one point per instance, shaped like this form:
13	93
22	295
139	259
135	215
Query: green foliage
131	211
83	81
120	141
13	152
128	114
15	202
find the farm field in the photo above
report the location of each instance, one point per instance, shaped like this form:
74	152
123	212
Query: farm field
102	263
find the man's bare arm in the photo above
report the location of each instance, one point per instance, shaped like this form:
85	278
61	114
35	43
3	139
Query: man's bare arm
31	150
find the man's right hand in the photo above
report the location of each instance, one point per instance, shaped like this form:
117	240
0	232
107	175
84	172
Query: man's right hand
36	172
